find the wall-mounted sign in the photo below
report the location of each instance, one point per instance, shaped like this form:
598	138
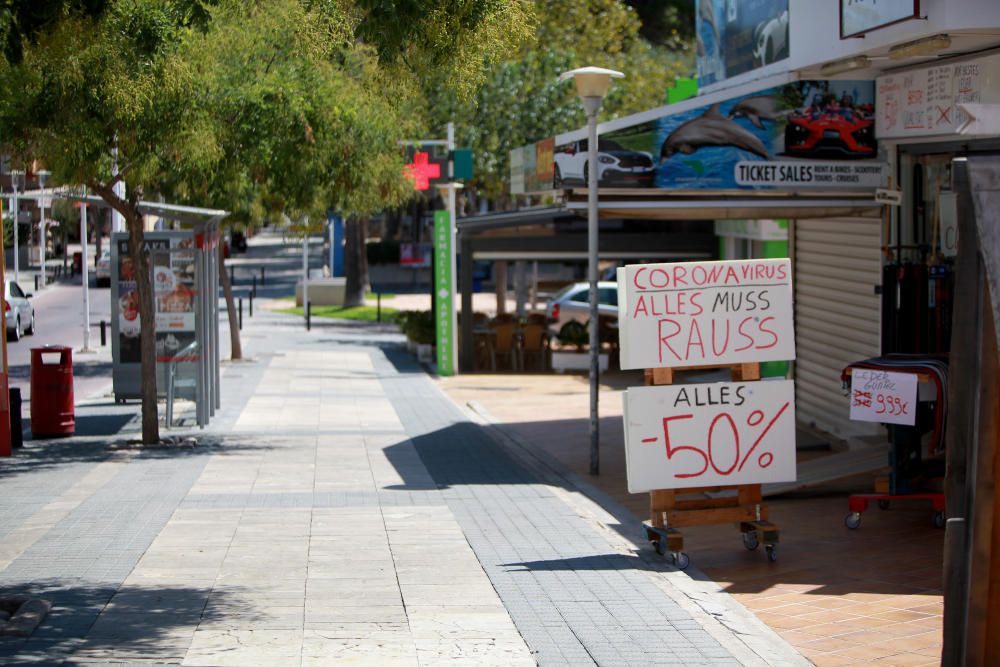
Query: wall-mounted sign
531	167
883	396
703	313
860	16
425	169
724	433
924	102
444	291
733	37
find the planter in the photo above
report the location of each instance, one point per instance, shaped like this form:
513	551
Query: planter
425	353
563	361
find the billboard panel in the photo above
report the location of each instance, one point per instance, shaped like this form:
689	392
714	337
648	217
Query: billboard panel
734	37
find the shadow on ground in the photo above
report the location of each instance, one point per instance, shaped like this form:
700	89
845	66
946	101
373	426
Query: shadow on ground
117	623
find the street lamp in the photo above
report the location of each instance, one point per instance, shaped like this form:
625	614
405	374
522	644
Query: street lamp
17	181
592	85
42	177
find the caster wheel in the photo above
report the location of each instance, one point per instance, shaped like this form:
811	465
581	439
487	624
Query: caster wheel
939	519
750	540
681	560
853	520
660	545
772	552
883	504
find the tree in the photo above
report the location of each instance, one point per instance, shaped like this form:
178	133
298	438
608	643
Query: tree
288	105
521	101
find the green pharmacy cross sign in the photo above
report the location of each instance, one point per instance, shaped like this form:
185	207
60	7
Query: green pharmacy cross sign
444	312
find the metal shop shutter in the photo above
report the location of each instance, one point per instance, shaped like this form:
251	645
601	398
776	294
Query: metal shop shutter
837	315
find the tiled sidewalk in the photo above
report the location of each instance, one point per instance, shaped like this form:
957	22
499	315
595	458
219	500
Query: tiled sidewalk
341	510
871	596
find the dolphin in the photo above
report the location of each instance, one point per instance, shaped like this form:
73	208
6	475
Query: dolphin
757	109
707	14
700	46
711	129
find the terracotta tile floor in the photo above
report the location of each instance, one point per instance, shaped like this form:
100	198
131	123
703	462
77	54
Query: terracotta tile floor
841	597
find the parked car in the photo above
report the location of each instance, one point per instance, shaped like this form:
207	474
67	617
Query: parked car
102	273
771	40
18	311
617	165
572	303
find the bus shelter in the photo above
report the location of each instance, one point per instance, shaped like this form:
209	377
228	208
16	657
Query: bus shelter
185	278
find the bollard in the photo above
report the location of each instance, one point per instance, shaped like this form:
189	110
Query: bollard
251	302
232	274
241	312
253	293
16	434
36	282
378	311
262	276
104	333
309	310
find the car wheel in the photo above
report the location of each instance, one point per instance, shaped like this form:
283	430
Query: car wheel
557	180
31	327
16	333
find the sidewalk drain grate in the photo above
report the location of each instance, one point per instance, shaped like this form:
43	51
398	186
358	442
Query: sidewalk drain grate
19	615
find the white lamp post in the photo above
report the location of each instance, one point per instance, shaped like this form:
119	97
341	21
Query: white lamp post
42	177
592	85
17	180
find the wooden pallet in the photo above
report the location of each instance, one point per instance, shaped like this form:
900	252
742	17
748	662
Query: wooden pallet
670	509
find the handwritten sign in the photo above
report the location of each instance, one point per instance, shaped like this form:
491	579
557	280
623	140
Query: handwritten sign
926	101
702	313
723	433
883	396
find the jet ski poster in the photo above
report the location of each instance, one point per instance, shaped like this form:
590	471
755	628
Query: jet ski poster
806	134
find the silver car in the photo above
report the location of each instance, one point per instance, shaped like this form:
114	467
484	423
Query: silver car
19	312
573	303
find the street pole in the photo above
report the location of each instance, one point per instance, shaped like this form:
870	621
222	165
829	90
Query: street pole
591	105
330	231
305	273
85	275
452	226
42	177
117	221
15	177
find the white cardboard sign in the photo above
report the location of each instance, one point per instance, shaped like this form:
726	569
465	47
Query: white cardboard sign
705	313
711	434
883	396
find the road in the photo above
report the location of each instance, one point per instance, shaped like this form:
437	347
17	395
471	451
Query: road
59	321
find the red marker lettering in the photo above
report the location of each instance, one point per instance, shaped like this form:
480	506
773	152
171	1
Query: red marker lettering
740	331
665	338
694	340
765	330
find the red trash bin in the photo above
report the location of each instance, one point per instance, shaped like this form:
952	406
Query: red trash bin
52	411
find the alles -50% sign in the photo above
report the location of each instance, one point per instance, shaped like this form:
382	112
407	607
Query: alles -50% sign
702	313
712	434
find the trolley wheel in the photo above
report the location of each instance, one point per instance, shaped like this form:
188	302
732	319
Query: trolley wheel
681	560
660	544
750	540
772	552
883	504
853	520
939	519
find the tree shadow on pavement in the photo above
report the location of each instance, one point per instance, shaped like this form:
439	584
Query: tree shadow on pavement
107	623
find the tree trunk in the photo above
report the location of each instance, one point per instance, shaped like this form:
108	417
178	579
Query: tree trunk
355	262
234	324
147	321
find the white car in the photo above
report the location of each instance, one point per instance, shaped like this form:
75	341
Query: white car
617	165
771	40
573	303
102	273
18	311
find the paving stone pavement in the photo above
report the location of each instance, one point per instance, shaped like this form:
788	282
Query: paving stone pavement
348	513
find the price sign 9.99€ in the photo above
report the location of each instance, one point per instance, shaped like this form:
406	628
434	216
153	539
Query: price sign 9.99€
712	434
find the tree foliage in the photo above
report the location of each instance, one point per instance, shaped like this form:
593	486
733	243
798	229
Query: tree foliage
521	100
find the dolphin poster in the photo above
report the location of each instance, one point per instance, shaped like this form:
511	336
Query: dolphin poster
806	134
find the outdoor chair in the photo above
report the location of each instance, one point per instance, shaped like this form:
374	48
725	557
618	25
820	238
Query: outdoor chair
535	347
504	341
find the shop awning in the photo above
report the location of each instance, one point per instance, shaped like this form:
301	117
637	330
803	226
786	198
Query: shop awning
659	204
178	212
